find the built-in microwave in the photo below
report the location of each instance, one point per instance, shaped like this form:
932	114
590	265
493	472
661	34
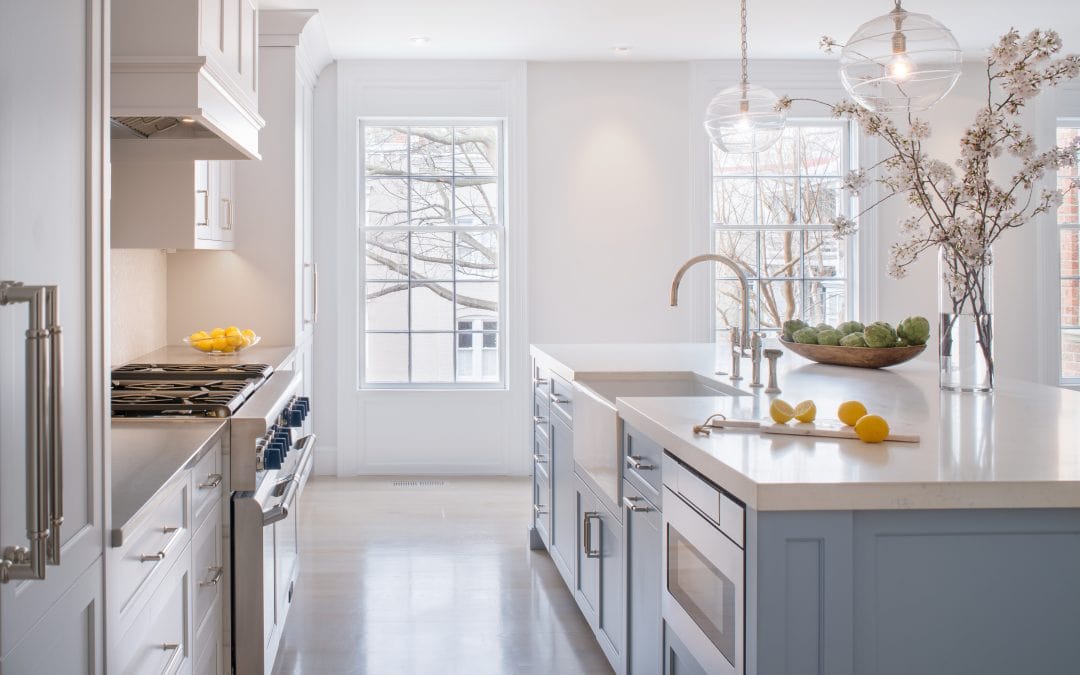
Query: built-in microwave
704	569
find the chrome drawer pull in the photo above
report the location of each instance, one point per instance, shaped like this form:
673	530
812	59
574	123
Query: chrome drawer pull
539	509
542	459
629	502
539	420
587	535
212	481
213	581
168	529
152	557
171	646
637	464
555	398
539	382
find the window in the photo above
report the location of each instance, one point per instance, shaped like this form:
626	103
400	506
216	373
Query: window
770	213
1068	219
432	237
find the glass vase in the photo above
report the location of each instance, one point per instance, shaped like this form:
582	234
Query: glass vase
966	329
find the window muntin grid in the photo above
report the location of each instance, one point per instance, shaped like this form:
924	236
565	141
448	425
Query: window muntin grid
432	246
770	211
1068	220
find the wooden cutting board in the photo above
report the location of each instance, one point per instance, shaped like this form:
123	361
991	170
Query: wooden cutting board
823	428
829	429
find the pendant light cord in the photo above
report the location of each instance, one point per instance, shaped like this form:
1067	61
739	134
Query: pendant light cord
743	63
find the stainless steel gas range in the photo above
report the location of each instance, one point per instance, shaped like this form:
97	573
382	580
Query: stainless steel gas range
271	455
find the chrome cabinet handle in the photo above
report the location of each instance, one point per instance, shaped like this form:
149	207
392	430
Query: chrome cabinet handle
169	529
587	536
171	646
540	382
638	465
206	208
537	457
212	481
554	398
537	419
44	446
228	214
217	570
631	503
539	509
153	557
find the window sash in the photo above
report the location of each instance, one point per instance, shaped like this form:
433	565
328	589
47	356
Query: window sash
454	281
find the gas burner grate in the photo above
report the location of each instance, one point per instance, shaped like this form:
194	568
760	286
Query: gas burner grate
180	371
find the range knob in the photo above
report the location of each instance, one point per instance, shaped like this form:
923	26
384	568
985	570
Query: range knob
294	415
272	457
284	441
305	404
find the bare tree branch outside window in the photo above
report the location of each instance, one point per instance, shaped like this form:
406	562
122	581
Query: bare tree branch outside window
432	235
770	213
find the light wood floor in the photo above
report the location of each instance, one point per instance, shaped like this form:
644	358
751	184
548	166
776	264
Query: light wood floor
418	580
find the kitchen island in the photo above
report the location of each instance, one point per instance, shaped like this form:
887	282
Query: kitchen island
960	553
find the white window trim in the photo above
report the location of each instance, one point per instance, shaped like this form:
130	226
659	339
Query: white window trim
502	230
1050	252
816	80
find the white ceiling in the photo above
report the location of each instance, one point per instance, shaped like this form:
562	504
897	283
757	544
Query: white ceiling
656	29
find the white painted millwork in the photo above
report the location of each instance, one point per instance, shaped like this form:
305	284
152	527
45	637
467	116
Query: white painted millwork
185	204
52	187
377	431
1019	448
189	59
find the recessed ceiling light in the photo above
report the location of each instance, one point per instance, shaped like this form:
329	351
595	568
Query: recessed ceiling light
419	40
622	50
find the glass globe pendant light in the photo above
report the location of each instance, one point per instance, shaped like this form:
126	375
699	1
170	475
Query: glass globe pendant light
744	118
900	62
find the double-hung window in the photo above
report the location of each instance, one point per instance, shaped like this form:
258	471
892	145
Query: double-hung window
1068	219
770	213
432	227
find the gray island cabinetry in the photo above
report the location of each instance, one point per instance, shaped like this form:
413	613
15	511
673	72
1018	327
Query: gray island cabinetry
748	553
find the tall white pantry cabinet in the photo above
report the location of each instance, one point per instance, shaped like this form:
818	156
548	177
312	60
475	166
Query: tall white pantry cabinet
53	203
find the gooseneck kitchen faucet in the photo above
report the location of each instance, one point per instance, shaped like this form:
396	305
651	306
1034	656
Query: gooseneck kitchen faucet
740	341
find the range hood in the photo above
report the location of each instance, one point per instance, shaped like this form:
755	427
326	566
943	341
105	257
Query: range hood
184	80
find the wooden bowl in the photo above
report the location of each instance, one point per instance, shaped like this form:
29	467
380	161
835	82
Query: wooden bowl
859	357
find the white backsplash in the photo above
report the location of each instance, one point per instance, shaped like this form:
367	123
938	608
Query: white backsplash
138	302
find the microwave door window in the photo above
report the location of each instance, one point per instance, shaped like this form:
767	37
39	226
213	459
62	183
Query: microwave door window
703	591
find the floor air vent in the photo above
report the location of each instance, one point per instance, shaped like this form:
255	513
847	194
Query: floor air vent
424	482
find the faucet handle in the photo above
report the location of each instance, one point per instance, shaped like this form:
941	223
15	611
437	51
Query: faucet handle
772	355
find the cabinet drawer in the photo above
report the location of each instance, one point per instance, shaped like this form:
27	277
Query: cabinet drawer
541	456
541	383
710	500
542	503
208	568
562	398
642	462
207	485
158	640
153	546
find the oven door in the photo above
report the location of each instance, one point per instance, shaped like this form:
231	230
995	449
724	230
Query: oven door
703	598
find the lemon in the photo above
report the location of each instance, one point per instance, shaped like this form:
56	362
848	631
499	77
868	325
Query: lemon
220	343
248	333
781	411
872	428
235	340
228	349
203	345
232	330
806	411
195	337
849	412
217	332
247	340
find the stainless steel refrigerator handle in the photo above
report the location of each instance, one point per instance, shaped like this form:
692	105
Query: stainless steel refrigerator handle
20	562
281	510
56	429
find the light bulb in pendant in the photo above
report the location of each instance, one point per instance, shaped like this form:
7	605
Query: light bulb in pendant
744	124
900	67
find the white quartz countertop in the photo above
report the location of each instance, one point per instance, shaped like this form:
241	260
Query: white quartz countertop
146	454
1016	448
270	355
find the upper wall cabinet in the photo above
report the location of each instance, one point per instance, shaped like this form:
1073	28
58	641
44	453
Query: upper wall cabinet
173	204
185	79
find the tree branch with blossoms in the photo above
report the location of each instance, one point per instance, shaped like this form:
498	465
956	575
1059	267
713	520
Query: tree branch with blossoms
961	210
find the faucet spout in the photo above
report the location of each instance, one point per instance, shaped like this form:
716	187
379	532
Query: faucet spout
744	334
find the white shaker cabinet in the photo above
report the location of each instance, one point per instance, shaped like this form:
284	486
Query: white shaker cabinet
51	220
185	204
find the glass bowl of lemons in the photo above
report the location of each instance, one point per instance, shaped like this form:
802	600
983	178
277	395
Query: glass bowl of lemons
222	340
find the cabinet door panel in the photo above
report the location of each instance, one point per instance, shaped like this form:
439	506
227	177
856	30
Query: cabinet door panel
563	501
211	22
610	620
248	48
644	548
587	580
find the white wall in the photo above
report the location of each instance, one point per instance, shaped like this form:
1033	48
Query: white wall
609	208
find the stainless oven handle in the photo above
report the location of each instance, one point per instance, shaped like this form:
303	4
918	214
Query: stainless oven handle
281	510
